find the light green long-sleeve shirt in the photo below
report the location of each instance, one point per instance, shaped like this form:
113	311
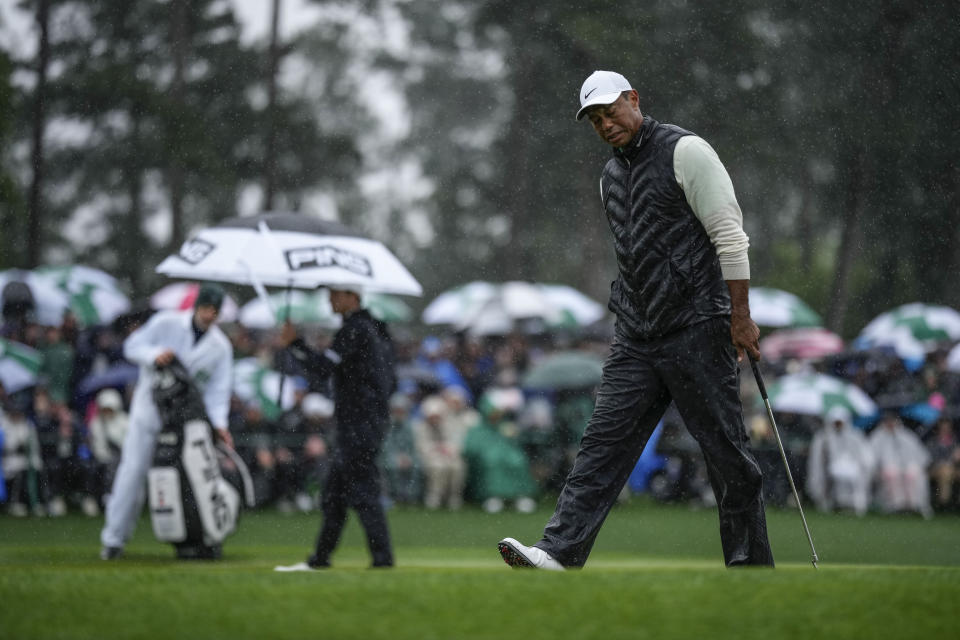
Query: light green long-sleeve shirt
710	194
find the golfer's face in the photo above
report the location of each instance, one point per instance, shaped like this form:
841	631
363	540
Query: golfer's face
618	122
206	316
341	301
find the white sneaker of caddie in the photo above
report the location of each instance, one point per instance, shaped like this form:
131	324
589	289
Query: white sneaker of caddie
300	566
520	556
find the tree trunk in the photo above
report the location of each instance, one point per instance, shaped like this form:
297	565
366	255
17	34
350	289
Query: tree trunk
855	202
270	159
133	176
35	206
953	293
175	177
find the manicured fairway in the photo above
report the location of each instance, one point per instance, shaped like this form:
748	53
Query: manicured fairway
655	573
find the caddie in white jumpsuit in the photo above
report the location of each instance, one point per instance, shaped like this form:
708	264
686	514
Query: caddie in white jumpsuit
193	338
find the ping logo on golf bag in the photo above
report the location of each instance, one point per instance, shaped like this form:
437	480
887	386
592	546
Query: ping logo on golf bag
195	250
327	256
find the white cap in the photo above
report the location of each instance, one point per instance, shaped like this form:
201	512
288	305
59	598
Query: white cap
352	288
602	87
839	414
109	399
315	405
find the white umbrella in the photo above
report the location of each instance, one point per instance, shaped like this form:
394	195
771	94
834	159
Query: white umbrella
180	296
816	393
301	307
255	384
19	366
806	343
313	308
93	296
451	306
50	302
485	308
75	277
96	297
576	308
911	329
953	359
775	308
289	250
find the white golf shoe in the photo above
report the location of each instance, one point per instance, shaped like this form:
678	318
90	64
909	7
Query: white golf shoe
520	556
300	566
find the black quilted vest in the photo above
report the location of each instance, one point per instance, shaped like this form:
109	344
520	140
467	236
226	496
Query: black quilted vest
669	271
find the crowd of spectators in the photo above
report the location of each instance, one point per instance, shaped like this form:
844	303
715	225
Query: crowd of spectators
464	430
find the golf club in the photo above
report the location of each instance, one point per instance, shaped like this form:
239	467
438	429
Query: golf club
786	465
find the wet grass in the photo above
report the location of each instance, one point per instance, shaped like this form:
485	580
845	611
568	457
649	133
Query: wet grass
655	572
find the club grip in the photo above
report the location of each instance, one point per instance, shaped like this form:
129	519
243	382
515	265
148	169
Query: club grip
756	374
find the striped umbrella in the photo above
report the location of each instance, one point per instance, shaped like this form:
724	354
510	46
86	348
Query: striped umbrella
180	296
911	329
387	308
19	366
95	296
776	308
807	344
488	308
953	359
301	307
255	384
49	301
313	308
817	393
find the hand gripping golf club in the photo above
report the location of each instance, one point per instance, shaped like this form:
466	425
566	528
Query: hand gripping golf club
783	455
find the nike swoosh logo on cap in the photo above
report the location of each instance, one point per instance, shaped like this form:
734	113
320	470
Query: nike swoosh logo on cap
587	94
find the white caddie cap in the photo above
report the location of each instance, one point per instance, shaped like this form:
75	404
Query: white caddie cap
602	87
352	288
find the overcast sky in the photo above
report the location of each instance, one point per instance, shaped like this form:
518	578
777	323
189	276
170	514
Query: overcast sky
380	184
18	36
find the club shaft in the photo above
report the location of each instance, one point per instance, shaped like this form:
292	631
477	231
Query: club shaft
783	456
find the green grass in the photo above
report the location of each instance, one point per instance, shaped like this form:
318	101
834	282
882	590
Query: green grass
656	572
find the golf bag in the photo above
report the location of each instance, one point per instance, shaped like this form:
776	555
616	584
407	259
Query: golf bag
194	488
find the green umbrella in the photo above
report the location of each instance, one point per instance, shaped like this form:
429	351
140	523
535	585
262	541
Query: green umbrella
816	393
313	308
301	307
95	296
19	365
565	370
910	329
387	308
776	308
255	384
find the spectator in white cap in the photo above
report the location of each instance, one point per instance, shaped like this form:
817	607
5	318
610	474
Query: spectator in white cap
439	448
683	322
108	428
839	465
901	473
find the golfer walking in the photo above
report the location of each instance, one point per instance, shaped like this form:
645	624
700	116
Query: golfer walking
683	323
360	360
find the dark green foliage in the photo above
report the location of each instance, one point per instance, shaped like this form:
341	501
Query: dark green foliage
835	122
148	139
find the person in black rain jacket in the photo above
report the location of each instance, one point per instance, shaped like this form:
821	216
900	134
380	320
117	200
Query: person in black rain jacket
360	362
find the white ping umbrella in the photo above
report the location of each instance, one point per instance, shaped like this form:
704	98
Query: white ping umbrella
289	250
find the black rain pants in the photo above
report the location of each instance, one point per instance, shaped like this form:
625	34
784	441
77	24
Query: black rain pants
353	481
697	368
